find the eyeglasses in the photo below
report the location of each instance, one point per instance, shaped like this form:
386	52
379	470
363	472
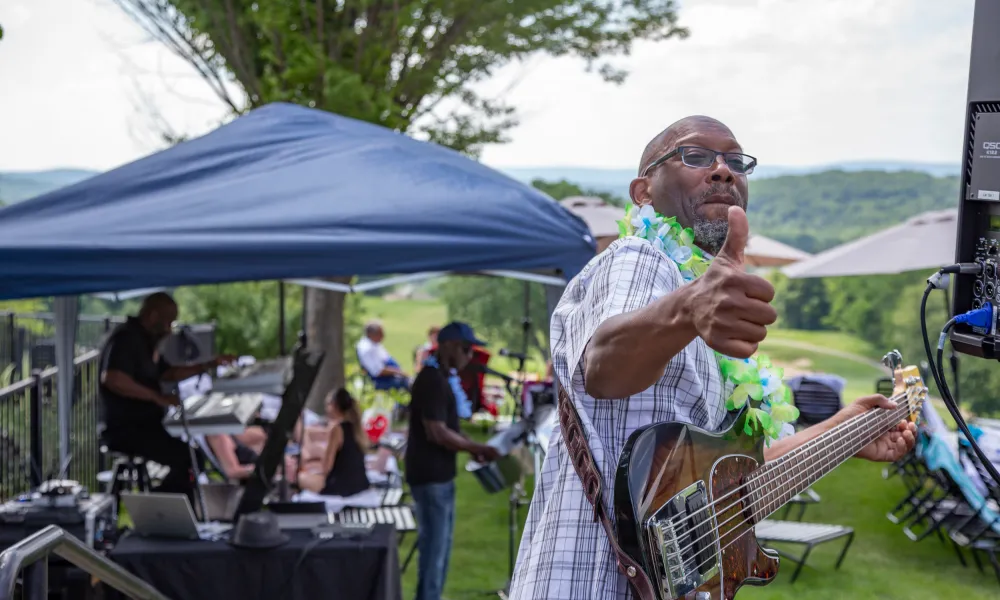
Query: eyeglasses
703	158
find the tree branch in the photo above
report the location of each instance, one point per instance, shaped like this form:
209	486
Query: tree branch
160	24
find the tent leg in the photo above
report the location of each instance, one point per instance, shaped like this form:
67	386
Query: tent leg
66	309
281	318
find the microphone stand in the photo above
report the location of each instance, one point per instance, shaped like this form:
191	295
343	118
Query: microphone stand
517	492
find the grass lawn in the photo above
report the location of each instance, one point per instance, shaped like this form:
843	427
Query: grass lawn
882	563
406	324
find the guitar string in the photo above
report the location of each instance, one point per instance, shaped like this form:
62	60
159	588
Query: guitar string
765	469
832	457
839	456
717	555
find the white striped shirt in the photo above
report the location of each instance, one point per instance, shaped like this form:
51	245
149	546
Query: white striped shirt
564	554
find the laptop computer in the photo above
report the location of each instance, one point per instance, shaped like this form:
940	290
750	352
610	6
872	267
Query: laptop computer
161	515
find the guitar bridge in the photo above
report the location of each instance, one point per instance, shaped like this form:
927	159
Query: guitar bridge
683	541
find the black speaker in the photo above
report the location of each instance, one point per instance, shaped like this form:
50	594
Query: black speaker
978	238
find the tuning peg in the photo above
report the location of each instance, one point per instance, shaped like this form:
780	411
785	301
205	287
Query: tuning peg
893	359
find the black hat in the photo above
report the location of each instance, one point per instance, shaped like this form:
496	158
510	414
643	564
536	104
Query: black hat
258	530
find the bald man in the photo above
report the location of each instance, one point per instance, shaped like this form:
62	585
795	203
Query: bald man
132	399
632	344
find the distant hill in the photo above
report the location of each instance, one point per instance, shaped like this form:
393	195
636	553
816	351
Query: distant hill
17	186
817	211
616	181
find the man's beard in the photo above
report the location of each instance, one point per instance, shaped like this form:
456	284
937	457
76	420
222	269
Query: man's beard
710	235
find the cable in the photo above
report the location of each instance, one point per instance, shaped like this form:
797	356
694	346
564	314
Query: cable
942	385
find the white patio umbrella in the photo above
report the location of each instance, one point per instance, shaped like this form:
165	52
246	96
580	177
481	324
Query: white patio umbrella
926	241
764	252
601	218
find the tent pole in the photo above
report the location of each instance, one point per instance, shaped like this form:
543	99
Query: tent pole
67	309
281	318
303	338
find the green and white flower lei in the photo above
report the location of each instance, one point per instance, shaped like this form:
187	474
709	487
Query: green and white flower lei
754	379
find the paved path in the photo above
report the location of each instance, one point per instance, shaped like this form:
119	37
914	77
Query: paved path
828	351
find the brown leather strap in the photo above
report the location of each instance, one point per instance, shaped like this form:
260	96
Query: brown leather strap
586	469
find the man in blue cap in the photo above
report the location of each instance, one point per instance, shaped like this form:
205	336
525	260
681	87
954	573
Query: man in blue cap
434	442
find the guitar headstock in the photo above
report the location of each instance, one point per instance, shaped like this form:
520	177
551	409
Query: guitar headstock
907	383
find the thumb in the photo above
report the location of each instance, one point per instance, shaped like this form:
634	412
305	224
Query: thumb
736	238
876	400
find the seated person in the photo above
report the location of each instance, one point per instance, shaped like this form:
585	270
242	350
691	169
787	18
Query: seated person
341	471
426	349
385	372
237	454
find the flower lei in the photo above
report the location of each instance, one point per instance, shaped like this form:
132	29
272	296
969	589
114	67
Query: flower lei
755	378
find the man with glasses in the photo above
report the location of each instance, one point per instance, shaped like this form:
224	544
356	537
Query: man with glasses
432	446
633	343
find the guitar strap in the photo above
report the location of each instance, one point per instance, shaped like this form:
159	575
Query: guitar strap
586	469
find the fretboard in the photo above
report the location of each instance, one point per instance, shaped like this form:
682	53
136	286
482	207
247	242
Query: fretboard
776	482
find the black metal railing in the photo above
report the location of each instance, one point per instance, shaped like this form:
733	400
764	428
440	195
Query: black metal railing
27	341
29	428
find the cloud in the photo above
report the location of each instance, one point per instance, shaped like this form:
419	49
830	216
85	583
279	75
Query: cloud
799	83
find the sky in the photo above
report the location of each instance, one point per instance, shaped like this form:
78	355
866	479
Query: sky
800	82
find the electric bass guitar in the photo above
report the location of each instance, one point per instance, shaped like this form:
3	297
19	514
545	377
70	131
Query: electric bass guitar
686	500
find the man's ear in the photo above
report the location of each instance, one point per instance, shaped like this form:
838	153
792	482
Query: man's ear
638	190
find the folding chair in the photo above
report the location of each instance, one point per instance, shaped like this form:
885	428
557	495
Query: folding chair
801	501
806	534
816	401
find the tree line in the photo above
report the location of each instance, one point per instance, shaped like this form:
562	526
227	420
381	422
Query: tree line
885	311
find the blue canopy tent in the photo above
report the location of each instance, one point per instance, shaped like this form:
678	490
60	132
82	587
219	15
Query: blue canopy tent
284	192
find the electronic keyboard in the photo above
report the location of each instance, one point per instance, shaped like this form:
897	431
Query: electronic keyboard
214	413
265	376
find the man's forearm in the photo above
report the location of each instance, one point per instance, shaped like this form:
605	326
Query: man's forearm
786	445
629	352
124	385
183	372
456	442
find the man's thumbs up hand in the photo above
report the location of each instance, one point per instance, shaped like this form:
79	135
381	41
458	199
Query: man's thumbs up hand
731	309
736	238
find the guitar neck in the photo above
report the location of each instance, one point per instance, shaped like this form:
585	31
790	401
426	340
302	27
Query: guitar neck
776	482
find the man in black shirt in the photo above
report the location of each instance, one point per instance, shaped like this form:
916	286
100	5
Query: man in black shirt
431	449
133	402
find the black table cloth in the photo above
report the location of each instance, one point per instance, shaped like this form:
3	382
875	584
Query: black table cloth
305	568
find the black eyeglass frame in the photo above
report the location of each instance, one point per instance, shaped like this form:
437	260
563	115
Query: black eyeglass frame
682	149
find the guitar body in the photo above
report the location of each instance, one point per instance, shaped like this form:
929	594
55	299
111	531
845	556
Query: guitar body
666	464
686	500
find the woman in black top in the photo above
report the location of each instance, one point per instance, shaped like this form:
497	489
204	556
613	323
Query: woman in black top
343	467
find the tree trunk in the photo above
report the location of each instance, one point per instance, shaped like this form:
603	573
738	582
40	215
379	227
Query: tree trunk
325	331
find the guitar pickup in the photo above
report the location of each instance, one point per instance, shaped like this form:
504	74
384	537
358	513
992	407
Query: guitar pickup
699	538
682	542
